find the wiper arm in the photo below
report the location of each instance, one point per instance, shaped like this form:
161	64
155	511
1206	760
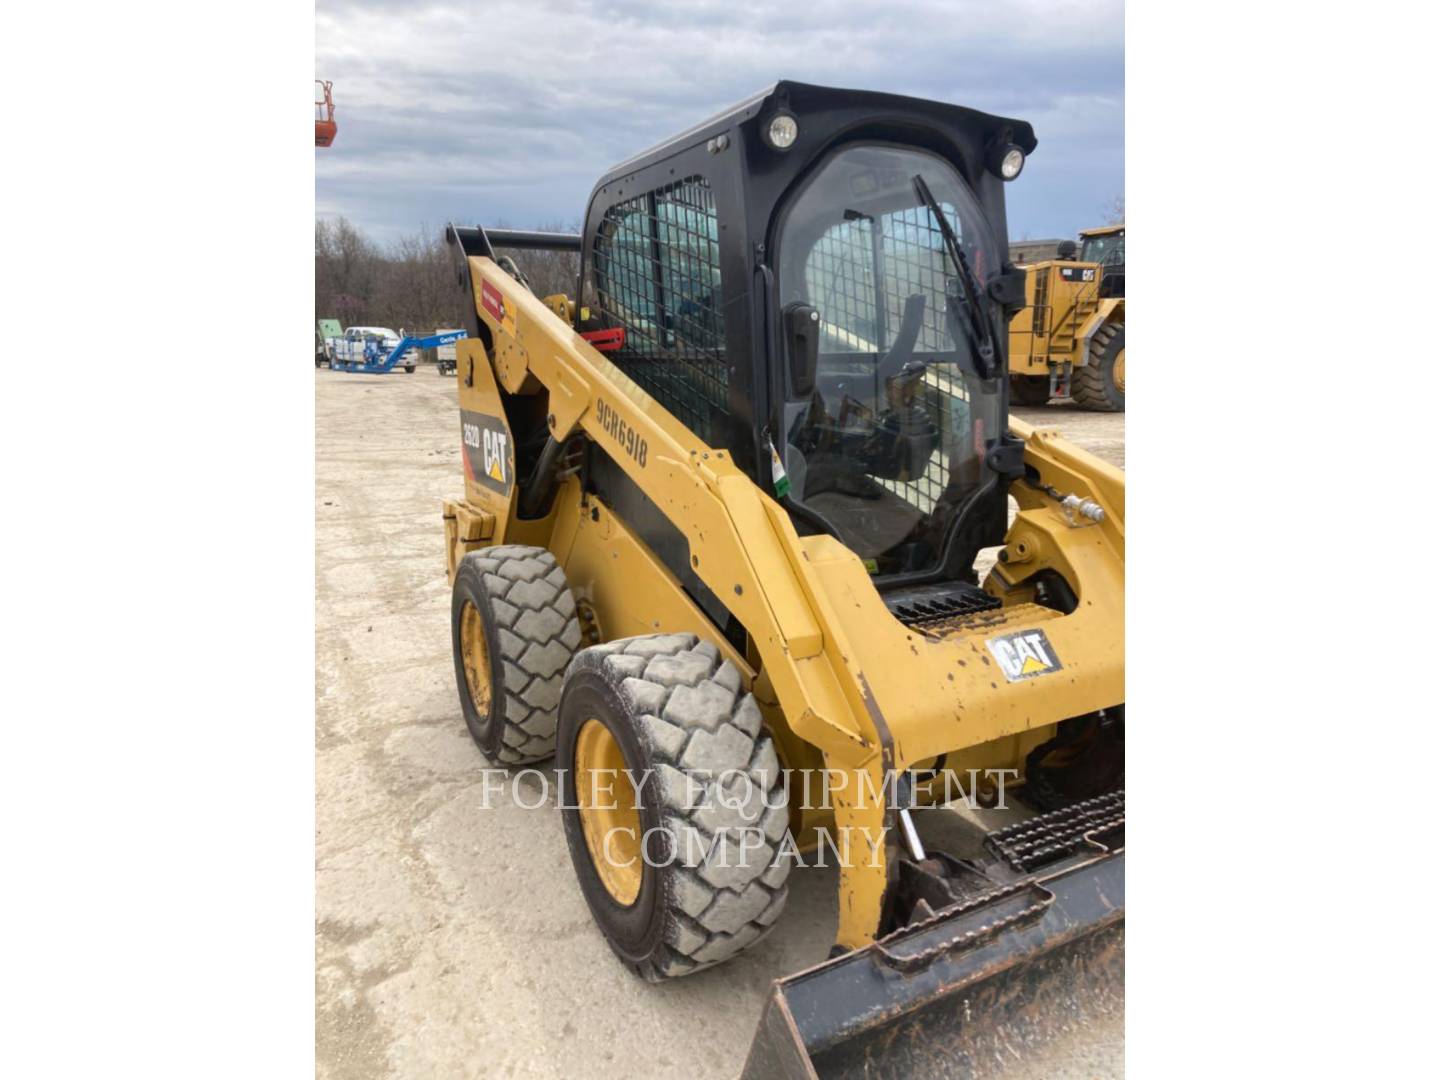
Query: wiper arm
977	324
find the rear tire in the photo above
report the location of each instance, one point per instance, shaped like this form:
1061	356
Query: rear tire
1030	391
1100	384
409	369
712	878
513	630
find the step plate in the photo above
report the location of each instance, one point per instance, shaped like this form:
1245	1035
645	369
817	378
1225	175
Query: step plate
1090	826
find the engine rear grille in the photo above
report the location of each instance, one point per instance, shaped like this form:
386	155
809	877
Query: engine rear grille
921	613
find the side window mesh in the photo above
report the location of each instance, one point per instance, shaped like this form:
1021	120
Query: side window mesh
657	275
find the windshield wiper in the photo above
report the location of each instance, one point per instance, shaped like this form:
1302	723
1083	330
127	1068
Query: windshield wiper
977	322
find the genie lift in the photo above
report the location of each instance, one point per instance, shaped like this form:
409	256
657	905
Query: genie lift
375	364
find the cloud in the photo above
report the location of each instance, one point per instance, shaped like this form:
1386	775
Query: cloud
509	111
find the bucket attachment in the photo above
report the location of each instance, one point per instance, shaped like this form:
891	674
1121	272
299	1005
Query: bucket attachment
1002	981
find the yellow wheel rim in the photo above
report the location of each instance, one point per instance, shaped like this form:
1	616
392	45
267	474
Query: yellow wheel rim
476	656
1120	371
608	815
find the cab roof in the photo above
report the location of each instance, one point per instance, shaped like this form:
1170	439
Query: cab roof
802	97
1102	230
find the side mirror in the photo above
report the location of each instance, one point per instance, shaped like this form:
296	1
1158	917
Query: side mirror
802	344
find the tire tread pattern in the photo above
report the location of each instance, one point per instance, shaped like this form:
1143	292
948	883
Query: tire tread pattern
705	739
1090	385
539	632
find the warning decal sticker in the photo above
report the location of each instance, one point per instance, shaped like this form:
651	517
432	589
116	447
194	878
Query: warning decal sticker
1024	654
494	305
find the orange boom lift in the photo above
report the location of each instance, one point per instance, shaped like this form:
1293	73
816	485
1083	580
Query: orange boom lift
324	114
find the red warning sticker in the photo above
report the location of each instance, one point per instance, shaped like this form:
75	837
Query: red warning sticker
492	300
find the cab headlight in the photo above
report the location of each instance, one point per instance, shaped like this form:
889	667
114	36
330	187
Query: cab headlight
1012	163
1006	161
782	131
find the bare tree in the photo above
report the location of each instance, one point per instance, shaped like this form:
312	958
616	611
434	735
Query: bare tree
1115	210
420	282
410	283
347	271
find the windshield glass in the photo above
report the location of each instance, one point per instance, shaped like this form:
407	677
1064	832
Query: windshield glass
889	449
1108	250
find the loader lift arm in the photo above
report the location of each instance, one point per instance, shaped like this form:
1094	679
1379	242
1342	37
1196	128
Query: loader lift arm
738	534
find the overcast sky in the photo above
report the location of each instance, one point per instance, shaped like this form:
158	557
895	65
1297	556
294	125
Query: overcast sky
507	112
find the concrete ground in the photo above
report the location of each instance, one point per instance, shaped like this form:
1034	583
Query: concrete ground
451	939
1103	434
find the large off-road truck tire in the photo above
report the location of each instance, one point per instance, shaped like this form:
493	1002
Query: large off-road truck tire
1100	384
688	870
513	631
1029	390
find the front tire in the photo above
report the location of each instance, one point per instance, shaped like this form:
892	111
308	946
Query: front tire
513	630
1100	384
1029	390
705	876
409	369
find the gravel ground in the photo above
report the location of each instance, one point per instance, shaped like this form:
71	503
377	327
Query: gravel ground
451	939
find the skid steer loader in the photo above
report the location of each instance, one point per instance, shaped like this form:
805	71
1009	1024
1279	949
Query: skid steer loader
720	520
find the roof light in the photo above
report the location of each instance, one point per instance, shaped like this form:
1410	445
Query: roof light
1012	163
782	131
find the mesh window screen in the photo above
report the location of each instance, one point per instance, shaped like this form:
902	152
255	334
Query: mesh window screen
657	275
862	315
946	401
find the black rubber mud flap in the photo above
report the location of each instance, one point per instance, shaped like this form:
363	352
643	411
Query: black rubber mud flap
975	991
